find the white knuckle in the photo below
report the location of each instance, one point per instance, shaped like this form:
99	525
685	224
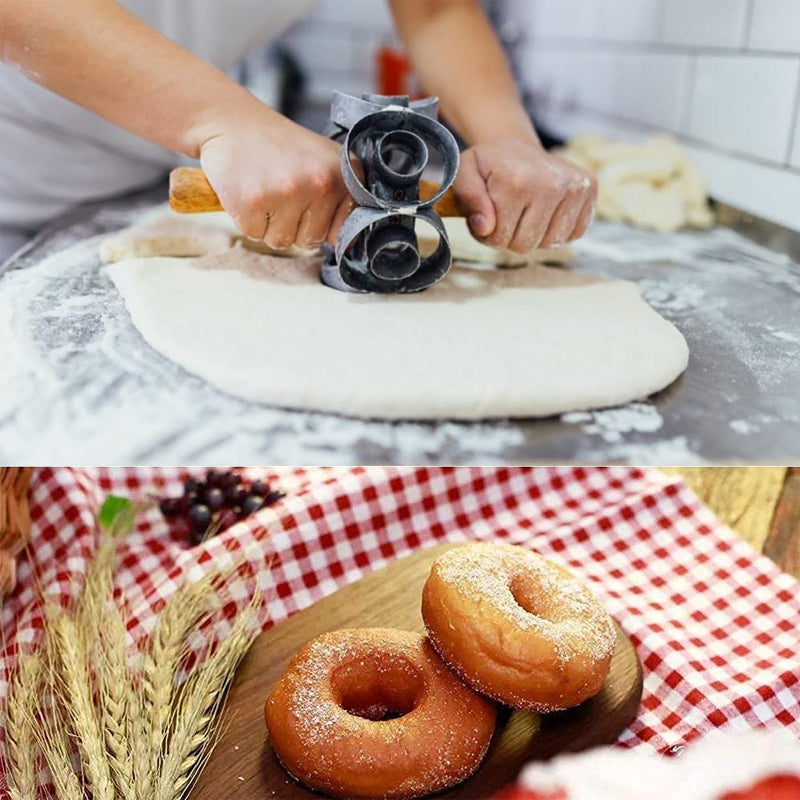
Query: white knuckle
285	187
563	183
520	181
321	182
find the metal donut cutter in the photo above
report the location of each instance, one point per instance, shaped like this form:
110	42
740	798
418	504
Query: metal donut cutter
377	249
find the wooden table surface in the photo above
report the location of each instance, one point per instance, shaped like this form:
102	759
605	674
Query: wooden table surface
762	504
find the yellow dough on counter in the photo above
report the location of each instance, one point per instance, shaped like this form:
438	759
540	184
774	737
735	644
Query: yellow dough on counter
652	184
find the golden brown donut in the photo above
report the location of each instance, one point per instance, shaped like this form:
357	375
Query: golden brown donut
374	712
517	627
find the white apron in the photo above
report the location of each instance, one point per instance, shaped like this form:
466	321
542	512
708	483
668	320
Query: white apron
54	154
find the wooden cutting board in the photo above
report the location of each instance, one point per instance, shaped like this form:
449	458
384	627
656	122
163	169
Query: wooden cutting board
244	766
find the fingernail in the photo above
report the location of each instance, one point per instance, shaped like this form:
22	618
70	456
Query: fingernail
479	224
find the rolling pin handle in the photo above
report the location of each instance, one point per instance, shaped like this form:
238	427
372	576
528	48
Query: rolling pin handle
190	192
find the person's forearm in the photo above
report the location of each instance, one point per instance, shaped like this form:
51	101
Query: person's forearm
100	56
458	57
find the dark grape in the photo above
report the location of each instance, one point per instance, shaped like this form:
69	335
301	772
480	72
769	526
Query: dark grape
229	480
235	495
251	504
200	517
259	488
171	506
214	498
273	497
214	477
192	486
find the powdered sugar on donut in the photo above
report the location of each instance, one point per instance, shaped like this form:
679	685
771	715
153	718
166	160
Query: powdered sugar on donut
517	627
483	572
435	744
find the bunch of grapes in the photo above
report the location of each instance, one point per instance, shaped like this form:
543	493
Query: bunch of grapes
211	505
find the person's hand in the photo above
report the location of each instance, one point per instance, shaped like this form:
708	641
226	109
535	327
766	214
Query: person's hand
280	182
518	197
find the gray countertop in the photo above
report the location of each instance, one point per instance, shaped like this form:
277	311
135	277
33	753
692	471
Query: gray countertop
81	386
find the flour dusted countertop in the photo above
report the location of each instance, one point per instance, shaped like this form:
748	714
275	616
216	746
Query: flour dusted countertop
80	384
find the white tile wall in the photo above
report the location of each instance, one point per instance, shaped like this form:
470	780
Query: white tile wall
372	14
745	104
765	191
336	45
322	49
570	19
775	25
724	75
627	20
704	23
596	79
655	88
576	78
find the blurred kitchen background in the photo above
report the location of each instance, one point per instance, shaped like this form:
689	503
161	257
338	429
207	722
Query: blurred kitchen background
721	75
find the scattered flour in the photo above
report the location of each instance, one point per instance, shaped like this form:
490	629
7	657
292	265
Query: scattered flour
675	450
81	372
784	336
743	426
611	424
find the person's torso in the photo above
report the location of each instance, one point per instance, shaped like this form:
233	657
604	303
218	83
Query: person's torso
49	139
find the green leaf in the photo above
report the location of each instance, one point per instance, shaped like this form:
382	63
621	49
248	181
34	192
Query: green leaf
117	514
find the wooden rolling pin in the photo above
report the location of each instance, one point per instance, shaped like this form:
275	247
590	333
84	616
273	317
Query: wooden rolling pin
190	193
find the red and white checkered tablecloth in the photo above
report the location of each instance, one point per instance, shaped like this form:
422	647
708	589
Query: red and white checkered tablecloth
717	626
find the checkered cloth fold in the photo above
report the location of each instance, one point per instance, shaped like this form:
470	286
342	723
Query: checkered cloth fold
716	625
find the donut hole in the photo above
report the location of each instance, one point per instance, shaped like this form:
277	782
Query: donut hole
377	689
529	596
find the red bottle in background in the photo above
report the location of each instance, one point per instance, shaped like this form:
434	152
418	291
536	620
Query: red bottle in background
392	71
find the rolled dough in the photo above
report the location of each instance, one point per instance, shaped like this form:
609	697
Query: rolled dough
481	343
162	232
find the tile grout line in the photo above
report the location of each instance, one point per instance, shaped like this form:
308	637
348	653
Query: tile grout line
748	25
795	124
661	48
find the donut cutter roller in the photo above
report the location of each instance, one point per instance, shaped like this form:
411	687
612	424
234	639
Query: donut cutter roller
392	139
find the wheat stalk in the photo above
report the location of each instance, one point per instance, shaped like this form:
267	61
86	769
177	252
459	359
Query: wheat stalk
75	680
22	699
115	699
185	610
97	589
52	734
139	735
200	702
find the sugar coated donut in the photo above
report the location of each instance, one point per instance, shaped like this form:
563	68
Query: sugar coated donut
517	627
374	712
